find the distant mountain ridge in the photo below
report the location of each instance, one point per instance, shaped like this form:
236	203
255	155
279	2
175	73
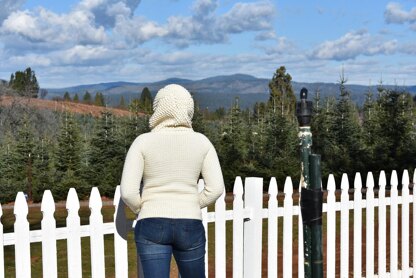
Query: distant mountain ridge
217	91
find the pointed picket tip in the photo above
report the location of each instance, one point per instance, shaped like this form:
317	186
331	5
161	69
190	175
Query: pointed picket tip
394	181
20	204
117	196
357	181
382	181
273	187
288	187
48	203
370	180
95	202
238	186
72	201
344	182
331	183
405	179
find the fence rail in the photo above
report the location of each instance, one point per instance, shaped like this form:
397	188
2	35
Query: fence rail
343	218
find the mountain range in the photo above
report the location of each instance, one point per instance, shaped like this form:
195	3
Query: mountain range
218	91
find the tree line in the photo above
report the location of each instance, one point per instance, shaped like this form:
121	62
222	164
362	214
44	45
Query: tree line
42	149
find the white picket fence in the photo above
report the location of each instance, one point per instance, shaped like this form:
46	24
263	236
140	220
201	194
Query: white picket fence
248	216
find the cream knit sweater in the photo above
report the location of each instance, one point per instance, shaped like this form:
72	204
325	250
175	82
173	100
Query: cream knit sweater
169	161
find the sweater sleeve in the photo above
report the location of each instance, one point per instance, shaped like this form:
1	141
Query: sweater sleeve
131	177
214	182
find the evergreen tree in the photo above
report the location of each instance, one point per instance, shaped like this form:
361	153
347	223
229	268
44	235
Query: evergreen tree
67	97
8	175
122	103
41	169
76	98
282	98
87	98
146	101
348	135
24	156
322	125
68	159
99	99
25	83
233	148
107	155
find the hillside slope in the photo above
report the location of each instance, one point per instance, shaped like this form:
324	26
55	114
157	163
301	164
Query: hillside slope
61	106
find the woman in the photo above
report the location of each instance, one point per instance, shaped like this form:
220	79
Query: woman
169	161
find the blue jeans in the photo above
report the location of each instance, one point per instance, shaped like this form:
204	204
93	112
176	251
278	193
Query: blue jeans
158	238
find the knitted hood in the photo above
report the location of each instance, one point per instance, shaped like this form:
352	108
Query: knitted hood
173	106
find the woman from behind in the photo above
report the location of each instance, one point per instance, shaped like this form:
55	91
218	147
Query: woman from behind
168	161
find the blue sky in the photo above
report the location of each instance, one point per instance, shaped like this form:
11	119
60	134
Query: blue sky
89	41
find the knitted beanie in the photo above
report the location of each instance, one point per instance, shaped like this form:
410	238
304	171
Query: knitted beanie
173	106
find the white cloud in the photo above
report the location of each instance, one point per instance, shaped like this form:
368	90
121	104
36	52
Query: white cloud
394	13
352	45
9	6
46	26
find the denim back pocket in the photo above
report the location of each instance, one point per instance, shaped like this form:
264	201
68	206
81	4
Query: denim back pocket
191	234
149	230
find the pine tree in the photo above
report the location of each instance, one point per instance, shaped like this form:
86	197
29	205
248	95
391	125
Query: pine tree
122	103
87	98
8	175
107	155
99	99
282	98
67	156
67	97
41	169
24	156
348	135
76	98
233	148
25	83
146	101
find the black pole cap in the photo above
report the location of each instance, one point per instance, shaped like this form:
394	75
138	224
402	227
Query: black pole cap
304	108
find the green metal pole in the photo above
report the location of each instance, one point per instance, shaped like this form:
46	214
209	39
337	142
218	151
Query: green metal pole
316	228
311	193
305	137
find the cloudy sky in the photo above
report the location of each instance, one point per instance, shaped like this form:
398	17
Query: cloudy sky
76	42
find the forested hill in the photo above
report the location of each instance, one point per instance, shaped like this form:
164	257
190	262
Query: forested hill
218	91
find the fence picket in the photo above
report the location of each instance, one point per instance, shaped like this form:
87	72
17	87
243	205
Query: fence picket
301	266
120	236
344	226
414	221
21	231
49	260
272	262
331	228
382	224
220	242
238	222
393	222
97	235
405	224
2	245
369	224
74	235
357	225
204	212
287	228
253	228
